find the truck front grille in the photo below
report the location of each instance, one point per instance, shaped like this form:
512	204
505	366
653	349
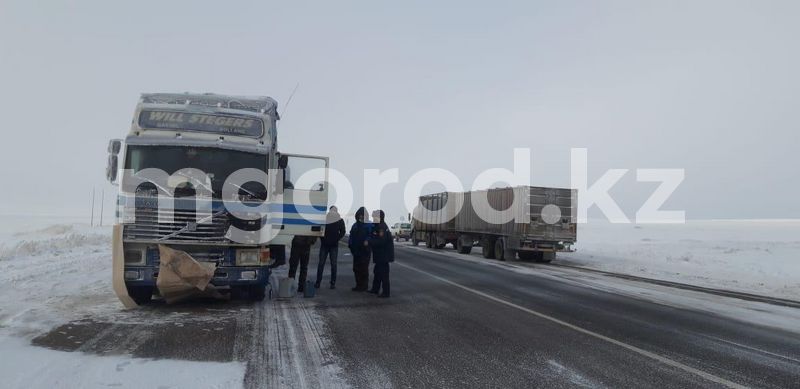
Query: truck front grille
146	227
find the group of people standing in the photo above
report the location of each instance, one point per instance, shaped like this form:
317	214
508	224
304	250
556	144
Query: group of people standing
371	239
368	241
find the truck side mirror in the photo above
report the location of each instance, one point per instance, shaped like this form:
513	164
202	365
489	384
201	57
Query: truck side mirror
114	146
111	168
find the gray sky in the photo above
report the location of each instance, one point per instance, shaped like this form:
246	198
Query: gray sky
709	86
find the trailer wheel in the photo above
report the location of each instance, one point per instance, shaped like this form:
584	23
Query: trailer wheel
487	246
141	294
462	248
435	242
528	255
499	250
543	257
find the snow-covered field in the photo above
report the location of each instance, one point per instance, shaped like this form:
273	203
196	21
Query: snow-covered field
54	270
753	256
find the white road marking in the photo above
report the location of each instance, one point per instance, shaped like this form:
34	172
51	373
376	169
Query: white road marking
758	350
651	355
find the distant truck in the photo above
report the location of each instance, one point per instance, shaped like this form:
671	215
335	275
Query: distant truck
544	222
183	133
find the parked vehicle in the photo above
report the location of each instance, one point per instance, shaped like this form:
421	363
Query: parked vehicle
401	230
219	136
538	226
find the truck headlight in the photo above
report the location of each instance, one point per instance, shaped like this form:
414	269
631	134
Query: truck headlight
248	257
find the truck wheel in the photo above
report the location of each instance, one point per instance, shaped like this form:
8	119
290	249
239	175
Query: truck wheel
257	292
487	246
545	257
527	255
141	294
435	242
499	250
463	249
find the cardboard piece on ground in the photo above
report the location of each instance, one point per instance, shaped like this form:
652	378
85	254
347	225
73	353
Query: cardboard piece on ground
180	276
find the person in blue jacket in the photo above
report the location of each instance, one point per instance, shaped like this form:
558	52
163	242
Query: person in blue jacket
382	246
359	247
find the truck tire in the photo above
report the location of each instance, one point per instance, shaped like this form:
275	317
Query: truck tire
141	294
257	292
527	255
462	248
487	246
545	257
435	242
502	252
499	250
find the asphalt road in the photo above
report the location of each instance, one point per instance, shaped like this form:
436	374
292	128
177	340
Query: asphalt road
453	323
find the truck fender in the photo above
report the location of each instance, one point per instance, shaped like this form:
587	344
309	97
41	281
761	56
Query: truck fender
118	268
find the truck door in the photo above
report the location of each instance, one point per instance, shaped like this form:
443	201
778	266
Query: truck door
305	196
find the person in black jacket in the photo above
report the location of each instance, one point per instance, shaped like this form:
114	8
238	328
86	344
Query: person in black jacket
382	246
359	247
329	246
301	250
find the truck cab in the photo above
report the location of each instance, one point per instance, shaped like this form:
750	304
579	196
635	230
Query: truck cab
202	174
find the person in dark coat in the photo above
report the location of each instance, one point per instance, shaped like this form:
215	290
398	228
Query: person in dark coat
300	252
382	246
359	247
329	246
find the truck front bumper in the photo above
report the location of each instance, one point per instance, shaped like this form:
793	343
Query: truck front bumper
223	276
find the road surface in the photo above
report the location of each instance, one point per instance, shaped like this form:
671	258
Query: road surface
457	321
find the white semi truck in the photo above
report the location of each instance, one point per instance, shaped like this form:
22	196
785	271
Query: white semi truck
201	174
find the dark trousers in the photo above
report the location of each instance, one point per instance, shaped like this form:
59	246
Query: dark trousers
278	254
299	257
381	278
326	251
361	272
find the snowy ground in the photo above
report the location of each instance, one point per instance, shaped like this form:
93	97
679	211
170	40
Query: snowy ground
753	256
54	270
57	272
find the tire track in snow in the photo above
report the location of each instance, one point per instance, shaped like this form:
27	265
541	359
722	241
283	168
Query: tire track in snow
284	344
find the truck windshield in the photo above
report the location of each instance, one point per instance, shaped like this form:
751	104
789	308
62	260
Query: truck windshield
218	164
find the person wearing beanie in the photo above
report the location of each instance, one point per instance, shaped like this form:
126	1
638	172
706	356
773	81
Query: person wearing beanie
359	246
382	246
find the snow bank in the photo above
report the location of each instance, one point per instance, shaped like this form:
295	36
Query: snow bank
52	271
753	256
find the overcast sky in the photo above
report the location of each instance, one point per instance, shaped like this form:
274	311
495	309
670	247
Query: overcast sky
708	86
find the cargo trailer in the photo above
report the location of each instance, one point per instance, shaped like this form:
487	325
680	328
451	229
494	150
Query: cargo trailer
542	223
